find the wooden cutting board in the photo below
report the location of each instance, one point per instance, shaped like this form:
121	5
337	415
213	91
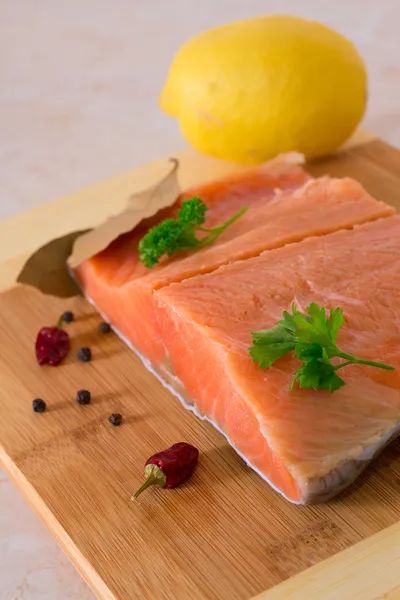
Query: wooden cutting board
225	534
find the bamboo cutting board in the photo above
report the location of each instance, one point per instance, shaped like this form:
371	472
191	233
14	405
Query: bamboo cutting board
225	534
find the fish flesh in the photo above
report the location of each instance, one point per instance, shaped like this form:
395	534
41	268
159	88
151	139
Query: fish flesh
108	278
307	444
145	305
122	287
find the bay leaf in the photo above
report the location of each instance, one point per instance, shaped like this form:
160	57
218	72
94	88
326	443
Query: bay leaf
139	206
47	268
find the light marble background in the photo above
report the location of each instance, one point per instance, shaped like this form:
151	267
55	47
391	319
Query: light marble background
78	102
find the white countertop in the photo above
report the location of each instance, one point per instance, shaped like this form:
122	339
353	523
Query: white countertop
78	103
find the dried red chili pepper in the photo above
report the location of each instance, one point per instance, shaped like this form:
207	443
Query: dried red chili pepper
170	467
52	344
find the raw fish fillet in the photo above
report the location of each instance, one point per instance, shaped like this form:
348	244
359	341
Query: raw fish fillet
307	444
122	288
190	320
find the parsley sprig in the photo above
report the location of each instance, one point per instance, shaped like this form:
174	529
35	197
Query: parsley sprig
312	337
177	235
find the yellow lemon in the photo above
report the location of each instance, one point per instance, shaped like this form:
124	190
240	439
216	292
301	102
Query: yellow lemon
252	89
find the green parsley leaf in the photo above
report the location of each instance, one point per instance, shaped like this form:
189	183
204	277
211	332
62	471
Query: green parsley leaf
271	344
307	350
335	322
178	235
312	336
192	212
318	376
288	319
160	240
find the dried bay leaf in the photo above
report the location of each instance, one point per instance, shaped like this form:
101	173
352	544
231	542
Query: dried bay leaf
140	206
47	268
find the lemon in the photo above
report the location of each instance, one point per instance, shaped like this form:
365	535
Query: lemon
249	90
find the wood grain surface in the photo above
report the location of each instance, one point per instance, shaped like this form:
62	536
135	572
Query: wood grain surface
368	570
225	534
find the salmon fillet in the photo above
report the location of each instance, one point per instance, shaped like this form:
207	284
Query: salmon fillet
307	444
122	288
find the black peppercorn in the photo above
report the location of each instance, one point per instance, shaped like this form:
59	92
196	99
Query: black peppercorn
83	397
68	316
84	354
104	327
115	419
39	405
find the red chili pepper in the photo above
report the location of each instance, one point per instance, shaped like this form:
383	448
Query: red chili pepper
52	344
170	467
